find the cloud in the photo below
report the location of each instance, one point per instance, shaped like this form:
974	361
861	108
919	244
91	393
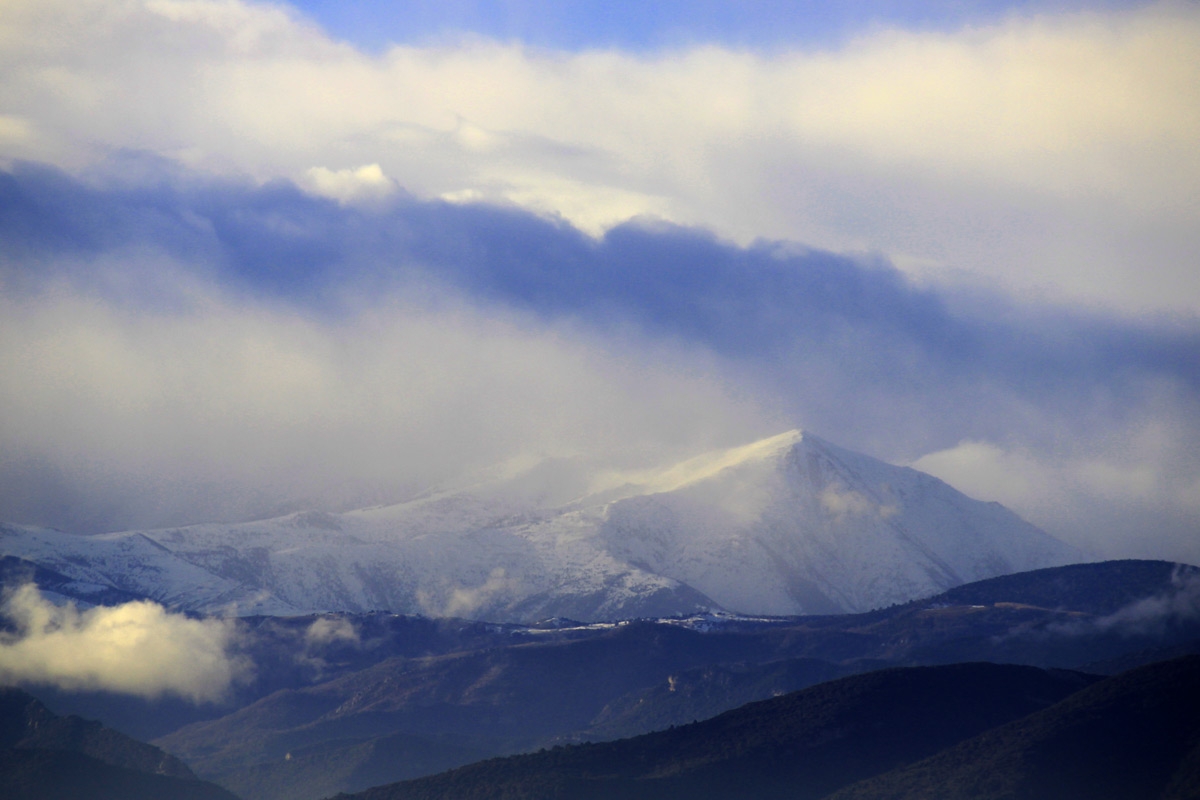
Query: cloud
144	390
1052	153
465	601
237	411
365	184
841	502
325	634
1180	603
325	631
1131	493
184	348
138	648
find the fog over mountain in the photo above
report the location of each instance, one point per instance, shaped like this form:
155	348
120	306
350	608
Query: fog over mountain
786	525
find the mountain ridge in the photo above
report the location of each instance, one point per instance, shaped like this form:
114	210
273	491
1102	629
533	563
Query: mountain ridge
802	745
789	524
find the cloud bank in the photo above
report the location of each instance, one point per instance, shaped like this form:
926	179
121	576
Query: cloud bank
185	348
1050	153
137	648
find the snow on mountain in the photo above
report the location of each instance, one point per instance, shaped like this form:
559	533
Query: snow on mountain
786	525
794	524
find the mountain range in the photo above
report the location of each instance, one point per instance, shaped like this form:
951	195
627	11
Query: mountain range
787	525
399	697
778	613
422	698
960	732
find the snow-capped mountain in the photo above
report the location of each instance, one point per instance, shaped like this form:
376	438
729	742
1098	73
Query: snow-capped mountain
786	525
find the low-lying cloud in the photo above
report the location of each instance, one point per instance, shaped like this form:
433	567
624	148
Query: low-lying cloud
137	648
1137	484
1179	604
464	601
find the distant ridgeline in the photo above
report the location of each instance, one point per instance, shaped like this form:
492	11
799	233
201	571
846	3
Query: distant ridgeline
344	702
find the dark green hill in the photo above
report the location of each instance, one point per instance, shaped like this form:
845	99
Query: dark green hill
802	745
1135	736
45	757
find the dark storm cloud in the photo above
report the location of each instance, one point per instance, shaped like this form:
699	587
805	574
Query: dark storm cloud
776	306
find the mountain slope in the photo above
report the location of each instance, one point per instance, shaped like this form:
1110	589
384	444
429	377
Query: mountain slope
1135	736
504	698
801	745
443	690
46	757
822	529
787	525
69	775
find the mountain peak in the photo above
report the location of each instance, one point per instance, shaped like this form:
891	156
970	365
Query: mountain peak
788	524
703	466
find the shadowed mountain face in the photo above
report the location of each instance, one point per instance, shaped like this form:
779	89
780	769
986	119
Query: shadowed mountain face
1135	736
802	745
786	525
27	724
46	757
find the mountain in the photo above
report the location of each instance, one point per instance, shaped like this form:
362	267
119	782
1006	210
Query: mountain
958	732
497	699
46	757
1135	736
800	746
435	695
786	525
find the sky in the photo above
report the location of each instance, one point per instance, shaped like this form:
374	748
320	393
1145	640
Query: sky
257	257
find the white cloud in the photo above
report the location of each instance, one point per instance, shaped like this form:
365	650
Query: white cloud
463	601
328	630
1049	151
1127	495
137	648
840	503
364	184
